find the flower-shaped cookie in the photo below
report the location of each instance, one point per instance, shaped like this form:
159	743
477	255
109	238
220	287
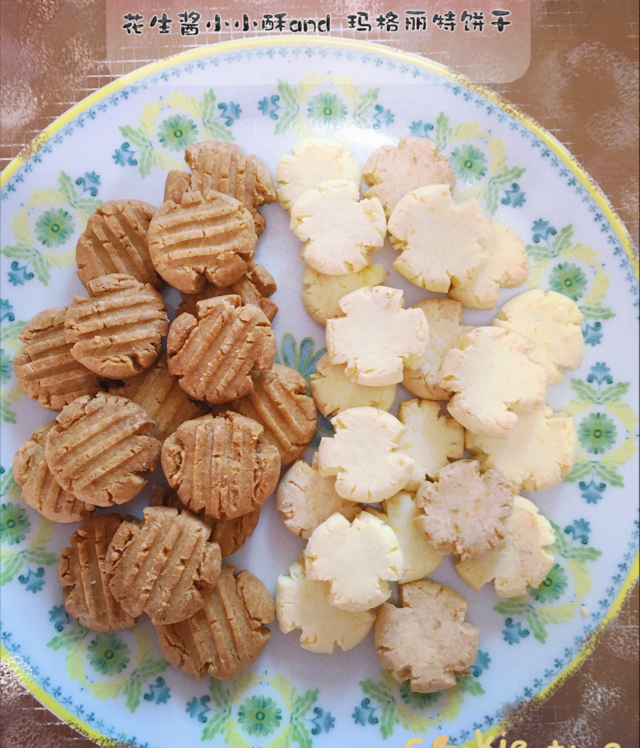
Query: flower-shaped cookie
313	161
536	454
377	337
339	229
494	380
357	558
365	455
524	560
426	640
464	510
303	603
441	241
552	321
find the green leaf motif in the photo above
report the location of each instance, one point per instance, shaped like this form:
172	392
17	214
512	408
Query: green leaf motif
68	638
536	625
10	565
365	103
286	121
512	607
288	95
301	735
208	106
561	545
135	136
67	188
8	485
468	684
87	204
17	252
146	161
152	668
6	413
75	667
491	196
441	131
108	689
508	175
562	240
40	557
608	474
215	725
133	692
218	132
302	704
539	253
585	391
580	471
377	692
582	554
219	694
41	269
597	311
614	392
388	719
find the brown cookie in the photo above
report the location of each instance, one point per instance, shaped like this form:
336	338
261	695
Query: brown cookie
159	393
230	535
220	166
40	490
213	355
203	238
46	370
118	330
98	448
219	465
86	593
252	288
279	402
115	241
228	634
176	184
162	565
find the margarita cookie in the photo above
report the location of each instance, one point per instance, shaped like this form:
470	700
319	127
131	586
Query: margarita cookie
493	380
523	561
334	392
537	453
377	337
507	267
303	604
419	556
321	294
311	162
426	640
441	242
339	229
392	171
365	455
306	499
552	321
358	559
445	330
431	439
464	510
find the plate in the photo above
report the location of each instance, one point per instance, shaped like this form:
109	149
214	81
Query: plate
265	95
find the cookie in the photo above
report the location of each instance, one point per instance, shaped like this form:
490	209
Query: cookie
162	564
221	167
117	331
100	446
219	465
40	490
214	354
338	228
175	185
115	241
86	593
280	404
228	634
47	371
321	294
426	641
392	171
159	393
203	238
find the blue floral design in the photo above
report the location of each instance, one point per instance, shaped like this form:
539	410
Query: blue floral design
6	366
158	692
469	163
177	132
89	183
33	580
269	106
322	722
199	708
327	110
124	156
365	714
421	129
14	523
19	274
229	112
59	616
514	633
54	227
6	311
382	117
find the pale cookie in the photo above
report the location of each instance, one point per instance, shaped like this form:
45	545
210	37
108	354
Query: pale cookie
100	447
115	241
419	556
426	641
431	438
228	634
392	171
306	499
313	161
116	332
552	321
47	371
507	267
358	559
494	380
339	229
377	337
334	392
537	453
86	593
445	330
208	237
464	510
365	455
40	490
303	603
321	294
214	354
162	564
441	242
524	560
